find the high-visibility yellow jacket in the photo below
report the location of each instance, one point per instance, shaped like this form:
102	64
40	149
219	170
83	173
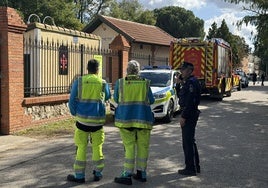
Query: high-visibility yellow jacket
133	96
87	99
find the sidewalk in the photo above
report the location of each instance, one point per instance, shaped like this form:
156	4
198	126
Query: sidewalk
231	136
9	142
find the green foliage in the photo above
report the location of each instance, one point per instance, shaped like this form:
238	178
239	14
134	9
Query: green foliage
86	9
223	32
62	18
146	17
259	18
62	11
212	32
179	22
130	10
239	47
54	129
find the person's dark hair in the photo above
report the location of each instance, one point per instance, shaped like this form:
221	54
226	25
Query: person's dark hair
186	64
93	66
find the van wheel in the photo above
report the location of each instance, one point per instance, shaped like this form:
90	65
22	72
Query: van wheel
170	112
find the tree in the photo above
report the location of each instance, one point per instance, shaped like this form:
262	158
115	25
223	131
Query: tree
239	50
146	17
239	47
223	32
212	32
130	10
179	22
259	18
62	11
87	9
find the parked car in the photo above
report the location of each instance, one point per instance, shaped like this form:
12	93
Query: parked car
163	87
243	78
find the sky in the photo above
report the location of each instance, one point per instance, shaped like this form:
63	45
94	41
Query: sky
211	11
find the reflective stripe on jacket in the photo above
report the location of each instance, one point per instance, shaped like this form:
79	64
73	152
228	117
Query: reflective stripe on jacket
90	99
134	96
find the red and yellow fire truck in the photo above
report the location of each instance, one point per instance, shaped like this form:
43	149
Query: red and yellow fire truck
212	61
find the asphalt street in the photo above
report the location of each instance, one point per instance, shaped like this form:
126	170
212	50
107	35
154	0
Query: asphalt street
232	137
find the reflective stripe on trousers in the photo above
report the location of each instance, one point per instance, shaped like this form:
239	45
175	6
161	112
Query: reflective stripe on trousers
81	141
139	138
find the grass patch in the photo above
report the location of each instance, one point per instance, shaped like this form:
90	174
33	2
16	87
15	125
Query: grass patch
54	129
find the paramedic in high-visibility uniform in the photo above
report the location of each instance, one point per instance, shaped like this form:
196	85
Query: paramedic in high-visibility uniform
134	118
87	104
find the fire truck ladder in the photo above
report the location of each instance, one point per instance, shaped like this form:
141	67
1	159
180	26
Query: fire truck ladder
209	63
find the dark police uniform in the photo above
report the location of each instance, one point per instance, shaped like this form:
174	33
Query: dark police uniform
189	95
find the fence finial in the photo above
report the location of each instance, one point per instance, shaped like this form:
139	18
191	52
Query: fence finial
52	20
29	18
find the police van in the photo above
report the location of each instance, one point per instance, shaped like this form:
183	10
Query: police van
162	83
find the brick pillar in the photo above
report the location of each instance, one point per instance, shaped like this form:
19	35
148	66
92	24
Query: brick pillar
11	62
121	45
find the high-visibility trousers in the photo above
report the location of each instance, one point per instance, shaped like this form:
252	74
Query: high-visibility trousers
135	140
81	141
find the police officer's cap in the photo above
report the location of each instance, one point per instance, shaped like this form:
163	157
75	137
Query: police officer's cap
133	67
186	65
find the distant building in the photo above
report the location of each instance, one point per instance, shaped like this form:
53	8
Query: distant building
144	40
250	64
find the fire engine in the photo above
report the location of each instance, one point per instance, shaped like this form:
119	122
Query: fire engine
212	60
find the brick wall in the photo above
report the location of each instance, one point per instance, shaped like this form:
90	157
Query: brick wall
120	44
11	33
13	104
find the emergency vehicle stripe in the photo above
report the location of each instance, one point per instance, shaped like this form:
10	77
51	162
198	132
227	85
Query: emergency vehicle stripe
209	64
228	84
203	60
176	56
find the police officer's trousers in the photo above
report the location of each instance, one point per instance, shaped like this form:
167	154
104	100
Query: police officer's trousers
135	139
81	141
188	142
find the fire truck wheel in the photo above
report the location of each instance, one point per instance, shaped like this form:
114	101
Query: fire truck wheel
228	93
239	86
220	97
170	112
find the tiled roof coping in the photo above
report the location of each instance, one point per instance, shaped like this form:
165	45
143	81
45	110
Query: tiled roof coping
62	30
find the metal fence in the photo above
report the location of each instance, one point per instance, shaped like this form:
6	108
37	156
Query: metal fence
144	59
51	67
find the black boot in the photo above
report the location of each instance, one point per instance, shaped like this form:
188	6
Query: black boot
125	179
72	178
198	170
140	176
187	172
97	175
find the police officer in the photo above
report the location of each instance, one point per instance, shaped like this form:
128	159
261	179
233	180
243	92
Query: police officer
134	118
87	104
189	95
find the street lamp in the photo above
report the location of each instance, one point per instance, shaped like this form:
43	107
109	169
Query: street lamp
29	18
